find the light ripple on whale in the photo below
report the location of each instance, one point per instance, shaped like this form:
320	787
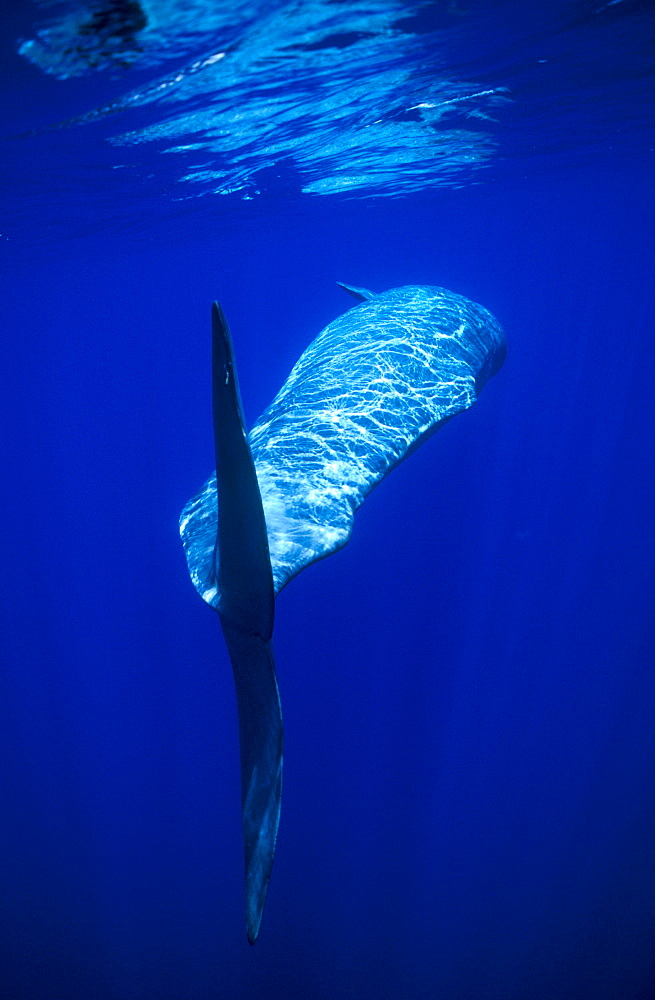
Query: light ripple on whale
366	392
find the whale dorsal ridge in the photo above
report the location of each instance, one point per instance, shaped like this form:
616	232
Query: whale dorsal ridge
361	294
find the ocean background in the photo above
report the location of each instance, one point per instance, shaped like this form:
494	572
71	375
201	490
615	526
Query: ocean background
468	687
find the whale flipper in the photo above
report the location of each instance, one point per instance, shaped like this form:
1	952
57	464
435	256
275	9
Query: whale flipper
244	583
364	395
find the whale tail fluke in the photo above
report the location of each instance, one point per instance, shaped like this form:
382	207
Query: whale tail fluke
261	741
242	563
244	580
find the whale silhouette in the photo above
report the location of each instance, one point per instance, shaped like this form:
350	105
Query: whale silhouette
367	392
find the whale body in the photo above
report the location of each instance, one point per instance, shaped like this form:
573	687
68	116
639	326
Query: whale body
366	393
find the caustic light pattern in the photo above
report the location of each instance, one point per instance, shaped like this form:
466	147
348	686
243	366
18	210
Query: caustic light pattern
367	391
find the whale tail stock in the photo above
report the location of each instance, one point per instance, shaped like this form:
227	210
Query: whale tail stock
244	580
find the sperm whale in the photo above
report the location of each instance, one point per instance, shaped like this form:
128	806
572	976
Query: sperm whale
372	386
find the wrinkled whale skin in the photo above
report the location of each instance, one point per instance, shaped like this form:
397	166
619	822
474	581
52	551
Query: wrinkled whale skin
367	391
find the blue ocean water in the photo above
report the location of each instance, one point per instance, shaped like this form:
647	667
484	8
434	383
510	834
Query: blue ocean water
468	687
